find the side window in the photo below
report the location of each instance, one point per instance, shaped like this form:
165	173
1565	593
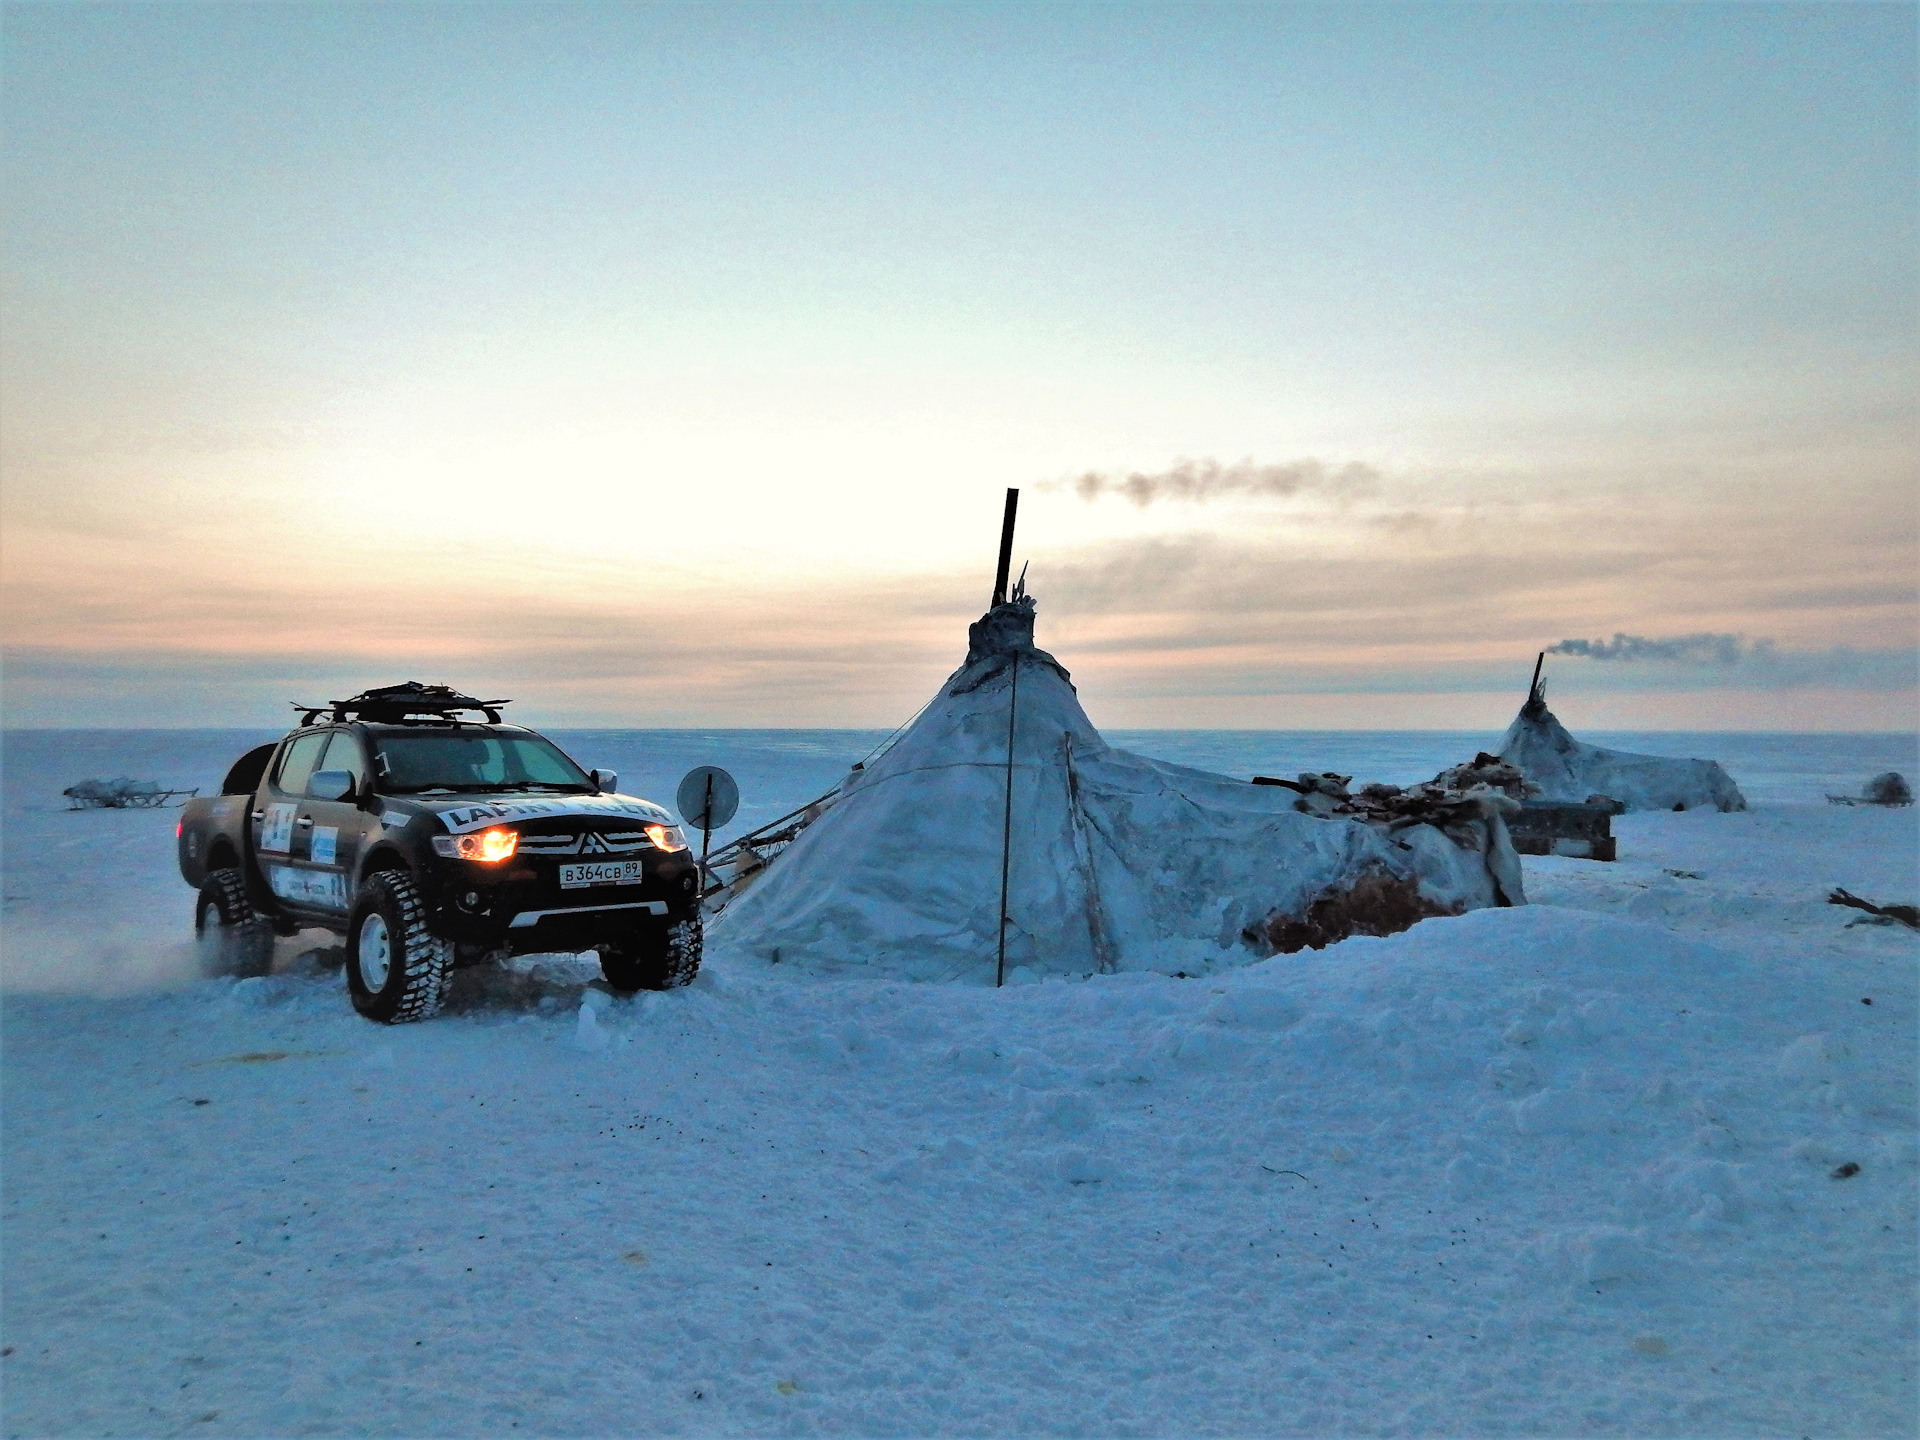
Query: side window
298	761
345	754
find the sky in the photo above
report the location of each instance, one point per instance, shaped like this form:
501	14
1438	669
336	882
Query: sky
667	365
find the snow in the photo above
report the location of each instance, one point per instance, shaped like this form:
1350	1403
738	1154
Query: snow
1561	1169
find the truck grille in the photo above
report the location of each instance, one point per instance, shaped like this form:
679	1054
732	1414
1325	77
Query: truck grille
591	843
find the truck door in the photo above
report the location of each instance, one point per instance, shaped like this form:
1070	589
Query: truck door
337	836
282	826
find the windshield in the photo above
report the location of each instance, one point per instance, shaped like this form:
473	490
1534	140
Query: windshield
465	761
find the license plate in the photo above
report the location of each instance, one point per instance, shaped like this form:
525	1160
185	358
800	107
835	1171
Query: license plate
600	872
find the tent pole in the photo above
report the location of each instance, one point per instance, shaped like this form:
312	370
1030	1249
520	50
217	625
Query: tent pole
1006	547
1006	819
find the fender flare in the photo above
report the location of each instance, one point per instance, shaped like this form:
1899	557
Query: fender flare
382	855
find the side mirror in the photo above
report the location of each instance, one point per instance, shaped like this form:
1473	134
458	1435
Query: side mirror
607	780
330	784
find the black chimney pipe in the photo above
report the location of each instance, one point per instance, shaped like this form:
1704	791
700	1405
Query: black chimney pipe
1006	548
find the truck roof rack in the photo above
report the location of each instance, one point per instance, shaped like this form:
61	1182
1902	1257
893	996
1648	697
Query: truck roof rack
408	704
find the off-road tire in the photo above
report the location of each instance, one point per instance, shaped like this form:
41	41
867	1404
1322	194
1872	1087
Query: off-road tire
655	959
239	940
417	962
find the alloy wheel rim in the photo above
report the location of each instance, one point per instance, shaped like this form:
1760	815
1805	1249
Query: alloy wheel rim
376	952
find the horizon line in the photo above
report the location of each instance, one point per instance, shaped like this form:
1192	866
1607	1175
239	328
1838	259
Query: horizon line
871	729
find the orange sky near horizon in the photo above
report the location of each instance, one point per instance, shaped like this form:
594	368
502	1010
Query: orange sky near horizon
667	367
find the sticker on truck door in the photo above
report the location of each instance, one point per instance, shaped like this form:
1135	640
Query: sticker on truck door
325	888
326	840
276	833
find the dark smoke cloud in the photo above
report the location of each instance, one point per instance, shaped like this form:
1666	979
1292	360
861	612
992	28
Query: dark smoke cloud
1198	481
1702	649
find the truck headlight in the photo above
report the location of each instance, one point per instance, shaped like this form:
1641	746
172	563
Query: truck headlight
489	847
667	837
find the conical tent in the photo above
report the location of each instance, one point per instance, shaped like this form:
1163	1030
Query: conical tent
1568	769
1112	861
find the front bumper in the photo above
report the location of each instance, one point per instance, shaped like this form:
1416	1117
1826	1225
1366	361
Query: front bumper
525	910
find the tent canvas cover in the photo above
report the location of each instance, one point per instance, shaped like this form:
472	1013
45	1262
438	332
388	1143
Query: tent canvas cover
1564	768
1114	861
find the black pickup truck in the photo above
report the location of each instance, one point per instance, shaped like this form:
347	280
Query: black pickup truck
431	841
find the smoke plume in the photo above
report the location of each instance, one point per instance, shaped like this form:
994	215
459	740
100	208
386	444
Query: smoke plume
1703	649
1198	481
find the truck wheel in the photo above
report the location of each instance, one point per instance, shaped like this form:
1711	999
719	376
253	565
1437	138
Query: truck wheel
397	968
658	960
238	941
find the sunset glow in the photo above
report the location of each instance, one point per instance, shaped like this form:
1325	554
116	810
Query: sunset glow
666	366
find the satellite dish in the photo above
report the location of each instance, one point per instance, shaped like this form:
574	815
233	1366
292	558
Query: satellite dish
708	797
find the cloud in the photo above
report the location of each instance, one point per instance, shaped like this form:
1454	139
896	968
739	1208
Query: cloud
1449	588
1703	649
1199	481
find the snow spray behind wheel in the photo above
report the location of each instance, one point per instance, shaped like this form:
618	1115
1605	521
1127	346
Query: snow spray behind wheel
1118	862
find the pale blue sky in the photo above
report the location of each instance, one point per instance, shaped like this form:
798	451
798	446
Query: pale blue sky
706	338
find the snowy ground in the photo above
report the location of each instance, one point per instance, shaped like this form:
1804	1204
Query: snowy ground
1562	1170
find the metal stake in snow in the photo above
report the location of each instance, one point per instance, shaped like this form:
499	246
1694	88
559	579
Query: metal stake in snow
706	827
1013	705
1006	819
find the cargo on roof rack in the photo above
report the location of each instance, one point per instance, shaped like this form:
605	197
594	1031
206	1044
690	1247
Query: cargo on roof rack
408	704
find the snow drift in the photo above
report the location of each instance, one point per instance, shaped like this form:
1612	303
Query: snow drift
1117	862
1566	769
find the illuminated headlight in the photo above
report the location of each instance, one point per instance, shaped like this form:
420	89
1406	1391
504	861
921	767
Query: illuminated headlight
489	847
667	837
